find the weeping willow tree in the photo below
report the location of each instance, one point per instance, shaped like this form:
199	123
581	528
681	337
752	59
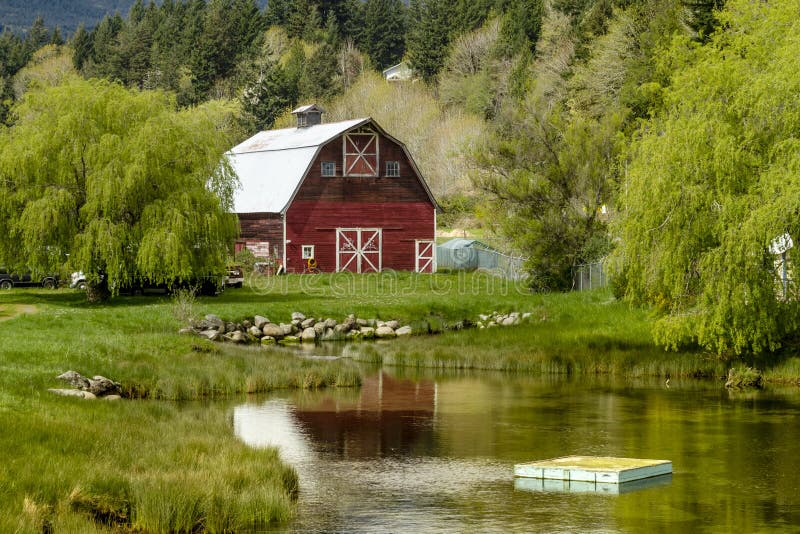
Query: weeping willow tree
714	181
117	183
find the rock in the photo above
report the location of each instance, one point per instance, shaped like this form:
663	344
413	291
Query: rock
353	335
296	322
491	324
298	316
112	397
308	323
73	393
384	331
215	322
272	330
508	321
235	337
246	324
526	315
255	331
187	330
349	323
394	325
74	379
332	335
309	334
341	329
290	340
361	322
102	386
319	327
483	318
367	332
268	340
287	329
260	321
231	327
403	331
213	335
330	323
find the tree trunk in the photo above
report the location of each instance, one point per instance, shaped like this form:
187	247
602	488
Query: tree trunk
98	292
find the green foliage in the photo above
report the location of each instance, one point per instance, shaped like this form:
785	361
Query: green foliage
384	31
712	182
124	185
550	174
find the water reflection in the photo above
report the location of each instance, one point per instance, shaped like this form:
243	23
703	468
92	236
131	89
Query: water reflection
436	453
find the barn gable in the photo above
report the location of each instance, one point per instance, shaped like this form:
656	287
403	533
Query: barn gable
272	164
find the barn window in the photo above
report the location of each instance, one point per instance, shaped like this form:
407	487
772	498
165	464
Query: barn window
308	252
328	168
393	169
361	153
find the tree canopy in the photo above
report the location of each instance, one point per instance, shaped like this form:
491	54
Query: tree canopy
116	182
714	180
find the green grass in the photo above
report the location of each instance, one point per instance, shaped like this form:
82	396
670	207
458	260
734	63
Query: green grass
166	459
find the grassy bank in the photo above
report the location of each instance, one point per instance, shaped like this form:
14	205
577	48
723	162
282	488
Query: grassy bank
166	459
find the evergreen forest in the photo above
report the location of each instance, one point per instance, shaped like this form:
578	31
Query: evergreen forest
660	136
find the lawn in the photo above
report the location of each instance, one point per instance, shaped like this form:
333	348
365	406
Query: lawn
165	458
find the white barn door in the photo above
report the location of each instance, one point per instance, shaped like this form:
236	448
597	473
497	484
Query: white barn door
425	256
359	250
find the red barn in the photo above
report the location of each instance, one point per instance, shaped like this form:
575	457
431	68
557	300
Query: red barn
346	194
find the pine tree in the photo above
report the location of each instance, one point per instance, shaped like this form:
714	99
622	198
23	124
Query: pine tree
429	36
384	31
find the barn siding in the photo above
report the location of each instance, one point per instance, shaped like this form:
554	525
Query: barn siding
261	233
400	206
315	223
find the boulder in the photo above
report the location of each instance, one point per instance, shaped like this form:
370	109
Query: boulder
73	393
231	327
319	327
361	322
287	329
403	331
246	324
112	397
259	321
268	340
349	323
290	340
297	316
272	330
187	330
235	337
526	315
296	322
308	323
384	332
215	322
309	334
255	331
394	325
102	386
509	321
74	379
353	335
367	332
330	323
212	335
341	329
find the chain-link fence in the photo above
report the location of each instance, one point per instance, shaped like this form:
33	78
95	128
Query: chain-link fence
475	256
589	276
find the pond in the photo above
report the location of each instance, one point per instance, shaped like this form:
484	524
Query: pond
435	452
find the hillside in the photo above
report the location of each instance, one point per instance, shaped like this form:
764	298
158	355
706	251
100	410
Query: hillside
18	15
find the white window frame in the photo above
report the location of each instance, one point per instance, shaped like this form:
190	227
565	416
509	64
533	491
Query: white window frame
392	169
350	149
305	250
332	166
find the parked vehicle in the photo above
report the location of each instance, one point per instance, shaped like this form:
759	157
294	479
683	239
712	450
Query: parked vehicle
207	285
235	277
9	280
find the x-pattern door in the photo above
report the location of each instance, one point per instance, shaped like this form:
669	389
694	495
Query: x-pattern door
426	256
361	154
359	250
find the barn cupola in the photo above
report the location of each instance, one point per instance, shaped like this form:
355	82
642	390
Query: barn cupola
308	115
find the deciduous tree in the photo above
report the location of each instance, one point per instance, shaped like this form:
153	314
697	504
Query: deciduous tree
116	183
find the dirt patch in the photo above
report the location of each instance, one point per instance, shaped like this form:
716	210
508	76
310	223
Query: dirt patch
10	311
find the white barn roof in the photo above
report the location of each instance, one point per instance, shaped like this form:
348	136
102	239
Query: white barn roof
271	164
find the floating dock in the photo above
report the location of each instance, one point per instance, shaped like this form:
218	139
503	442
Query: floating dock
594	469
